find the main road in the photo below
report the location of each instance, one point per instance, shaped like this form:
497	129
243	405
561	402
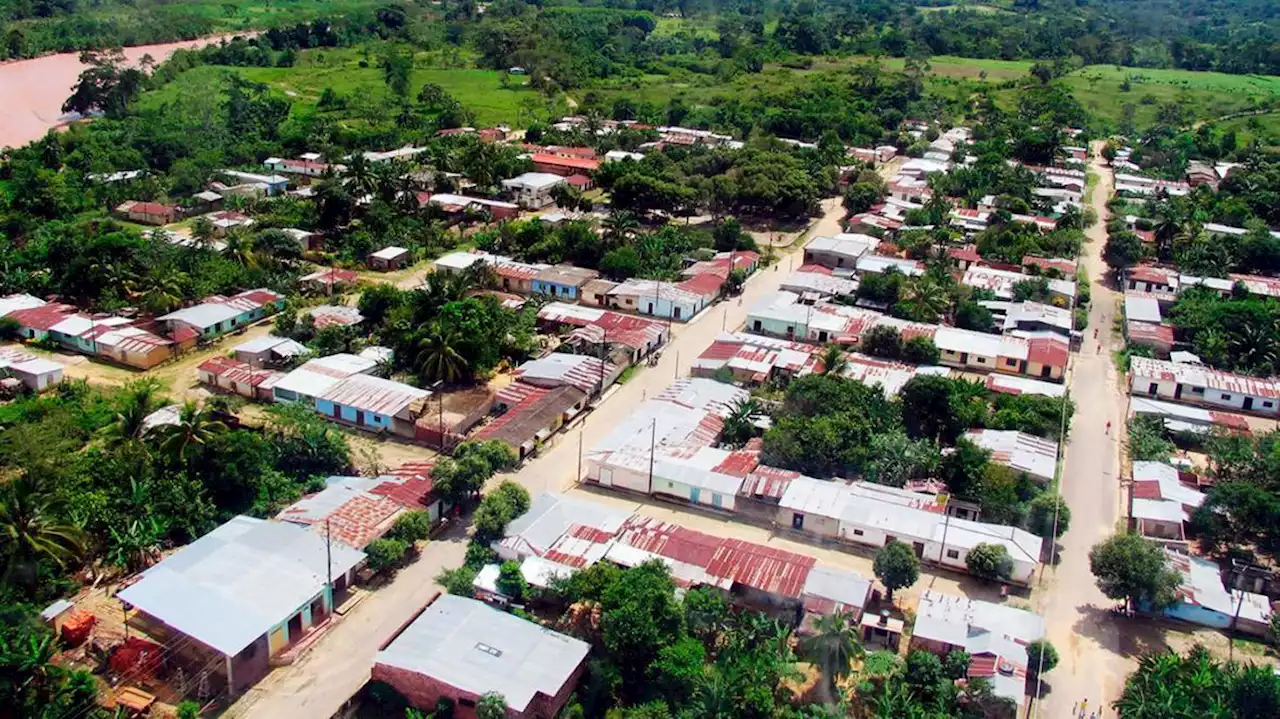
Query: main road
1080	626
339	664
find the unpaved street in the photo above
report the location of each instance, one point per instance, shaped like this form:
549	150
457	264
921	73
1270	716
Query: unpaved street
1085	634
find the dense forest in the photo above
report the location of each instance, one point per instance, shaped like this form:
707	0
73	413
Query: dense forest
576	40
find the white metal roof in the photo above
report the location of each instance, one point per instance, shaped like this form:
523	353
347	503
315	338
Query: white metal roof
374	394
1158	509
204	315
551	515
1013	384
1142	309
12	303
1147	369
458	260
317	376
390	253
1018	450
534	180
846	244
945	615
235	583
471	646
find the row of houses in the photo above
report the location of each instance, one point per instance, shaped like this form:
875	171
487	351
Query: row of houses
1033	353
680	301
560	535
139	343
1188	383
666	449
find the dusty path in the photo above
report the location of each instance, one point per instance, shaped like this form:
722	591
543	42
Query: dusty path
1093	661
32	91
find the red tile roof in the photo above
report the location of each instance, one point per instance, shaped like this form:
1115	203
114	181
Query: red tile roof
1047	351
1147	490
816	269
1154	275
578	180
702	285
1066	267
968	253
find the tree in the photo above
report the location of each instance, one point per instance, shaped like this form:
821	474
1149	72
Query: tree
105	85
896	566
1167	684
927	411
1049	516
195	427
511	581
413	526
639	616
1123	250
32	529
1136	570
491	706
989	561
1042	657
833	646
740	423
459	582
440	360
677	670
860	196
834	361
962	469
921	350
882	341
385	553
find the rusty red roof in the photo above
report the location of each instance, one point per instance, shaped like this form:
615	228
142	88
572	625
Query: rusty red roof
572	163
43	317
1155	275
1046	351
968	253
1147	490
704	285
1066	267
738	464
771	570
816	269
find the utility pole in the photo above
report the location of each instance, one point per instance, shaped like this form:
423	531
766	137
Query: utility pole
1231	632
946	525
578	477
653	442
677	368
328	561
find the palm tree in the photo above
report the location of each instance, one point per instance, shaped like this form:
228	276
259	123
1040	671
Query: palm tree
740	423
140	400
1254	348
164	292
924	299
619	227
834	361
195	426
439	358
203	231
713	697
31	528
137	546
833	646
360	178
240	248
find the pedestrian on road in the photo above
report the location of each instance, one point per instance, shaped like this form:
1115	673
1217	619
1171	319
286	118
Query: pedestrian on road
1095	333
1108	427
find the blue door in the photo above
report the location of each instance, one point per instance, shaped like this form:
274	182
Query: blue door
693	495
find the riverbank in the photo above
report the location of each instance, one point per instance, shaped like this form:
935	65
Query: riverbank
32	91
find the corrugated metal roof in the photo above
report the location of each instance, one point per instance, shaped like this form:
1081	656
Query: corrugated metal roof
374	394
1148	368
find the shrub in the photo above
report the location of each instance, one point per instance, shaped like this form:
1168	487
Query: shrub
989	561
458	581
412	526
385	553
1041	657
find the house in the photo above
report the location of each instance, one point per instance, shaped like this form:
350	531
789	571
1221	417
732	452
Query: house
964	257
1142	308
132	346
389	258
657	298
1204	600
35	373
269	351
722	264
871	515
458	205
1194	384
1012	384
752	359
149	213
1026	453
1003	282
564	282
1031	317
358	510
625	339
402	153
334	316
889	375
1158	337
838	252
530	414
1160	501
461	649
870	222
818	281
317	376
226	220
559	369
620	155
271	185
242	594
881	264
1185	418
1155	280
596	292
238	377
995	637
563	166
328	279
218	315
533	190
1066	267
374	403
306	166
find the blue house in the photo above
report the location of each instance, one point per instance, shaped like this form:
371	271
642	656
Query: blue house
1204	600
374	403
563	282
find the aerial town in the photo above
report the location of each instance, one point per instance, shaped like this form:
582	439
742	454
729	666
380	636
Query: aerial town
644	360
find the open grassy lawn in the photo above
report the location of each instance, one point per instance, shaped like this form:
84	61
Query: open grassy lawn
1264	128
481	91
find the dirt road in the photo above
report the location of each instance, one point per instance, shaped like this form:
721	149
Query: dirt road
1093	661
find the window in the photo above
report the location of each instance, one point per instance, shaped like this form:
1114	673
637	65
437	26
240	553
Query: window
1226	397
1266	403
857	532
1197	391
491	651
1011	362
981	360
953	554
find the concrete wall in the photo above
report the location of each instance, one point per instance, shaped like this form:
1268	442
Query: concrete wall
1187	394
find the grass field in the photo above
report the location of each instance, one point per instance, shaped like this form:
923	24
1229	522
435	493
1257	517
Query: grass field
1264	128
481	91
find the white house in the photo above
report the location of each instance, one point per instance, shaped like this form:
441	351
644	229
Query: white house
1194	384
532	190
